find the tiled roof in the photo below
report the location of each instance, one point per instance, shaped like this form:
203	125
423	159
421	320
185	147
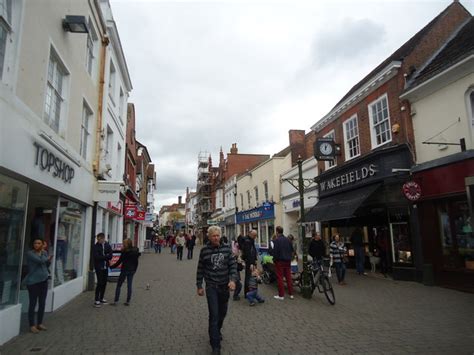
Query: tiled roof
458	48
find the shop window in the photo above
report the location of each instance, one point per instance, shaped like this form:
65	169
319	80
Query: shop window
13	197
69	242
456	234
401	243
85	129
380	122
263	236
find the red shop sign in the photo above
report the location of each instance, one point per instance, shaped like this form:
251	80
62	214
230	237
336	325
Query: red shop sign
130	211
140	216
412	190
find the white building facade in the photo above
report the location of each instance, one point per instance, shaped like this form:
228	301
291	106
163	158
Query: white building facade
49	104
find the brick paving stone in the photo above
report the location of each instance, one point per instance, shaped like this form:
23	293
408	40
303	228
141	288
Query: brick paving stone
372	315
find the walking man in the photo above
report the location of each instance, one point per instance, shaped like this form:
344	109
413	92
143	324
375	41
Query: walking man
190	245
218	268
180	241
102	254
357	240
282	254
249	256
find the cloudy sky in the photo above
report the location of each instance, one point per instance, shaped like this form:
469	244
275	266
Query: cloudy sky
209	74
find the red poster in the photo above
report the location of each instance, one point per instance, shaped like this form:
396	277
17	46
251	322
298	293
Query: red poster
140	216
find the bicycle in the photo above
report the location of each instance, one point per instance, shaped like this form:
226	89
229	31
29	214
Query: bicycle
320	280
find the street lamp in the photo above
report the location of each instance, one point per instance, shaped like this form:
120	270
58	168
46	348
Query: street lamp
300	184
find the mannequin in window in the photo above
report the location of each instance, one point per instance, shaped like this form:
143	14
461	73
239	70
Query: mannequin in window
61	251
37	224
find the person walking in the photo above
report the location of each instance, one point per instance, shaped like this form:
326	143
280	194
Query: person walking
218	268
282	255
157	244
338	252
180	242
317	249
249	256
37	283
357	240
102	254
190	243
129	261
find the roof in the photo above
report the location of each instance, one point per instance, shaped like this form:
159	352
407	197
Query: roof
455	50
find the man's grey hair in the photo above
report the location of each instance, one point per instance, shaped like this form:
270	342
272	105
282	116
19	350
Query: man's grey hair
253	231
213	230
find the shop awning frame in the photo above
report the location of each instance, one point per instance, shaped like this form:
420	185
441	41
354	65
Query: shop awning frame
340	206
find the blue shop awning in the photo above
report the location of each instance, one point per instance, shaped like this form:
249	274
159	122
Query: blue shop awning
340	206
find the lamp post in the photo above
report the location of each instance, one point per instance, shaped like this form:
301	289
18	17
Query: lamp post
300	184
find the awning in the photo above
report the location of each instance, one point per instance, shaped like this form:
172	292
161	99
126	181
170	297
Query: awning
340	206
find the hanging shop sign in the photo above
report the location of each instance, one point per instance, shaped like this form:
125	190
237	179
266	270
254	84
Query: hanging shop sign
140	215
412	190
130	211
115	207
47	160
106	191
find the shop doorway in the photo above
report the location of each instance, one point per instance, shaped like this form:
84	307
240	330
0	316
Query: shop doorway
401	243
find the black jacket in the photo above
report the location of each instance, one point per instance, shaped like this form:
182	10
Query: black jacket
128	259
102	255
282	249
317	249
249	252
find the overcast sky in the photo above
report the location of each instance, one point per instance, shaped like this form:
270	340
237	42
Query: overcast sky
209	74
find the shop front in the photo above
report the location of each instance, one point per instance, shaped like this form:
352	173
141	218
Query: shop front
445	208
229	223
47	194
365	195
261	219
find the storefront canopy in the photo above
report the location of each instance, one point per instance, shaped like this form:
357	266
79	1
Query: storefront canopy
340	206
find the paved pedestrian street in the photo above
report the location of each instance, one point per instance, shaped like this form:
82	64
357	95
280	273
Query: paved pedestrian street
372	315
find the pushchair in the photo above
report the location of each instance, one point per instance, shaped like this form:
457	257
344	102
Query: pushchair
268	267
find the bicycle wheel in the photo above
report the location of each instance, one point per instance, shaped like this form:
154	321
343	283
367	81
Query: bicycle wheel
328	290
266	278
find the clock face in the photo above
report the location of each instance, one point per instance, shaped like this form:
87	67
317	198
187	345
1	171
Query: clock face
326	148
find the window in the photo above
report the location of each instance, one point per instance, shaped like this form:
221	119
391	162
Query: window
112	78
256	194
91	48
85	130
248	198
119	161
121	104
5	29
54	92
380	122
242	201
471	96
351	138
265	190
330	163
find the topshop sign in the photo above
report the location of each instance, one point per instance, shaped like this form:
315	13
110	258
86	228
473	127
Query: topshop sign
48	161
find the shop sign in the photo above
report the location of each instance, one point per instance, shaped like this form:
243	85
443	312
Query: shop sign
211	222
256	214
107	191
130	211
140	215
115	207
295	203
149	217
348	178
46	160
412	190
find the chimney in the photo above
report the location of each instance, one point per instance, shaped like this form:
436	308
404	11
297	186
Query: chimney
297	145
234	149
179	199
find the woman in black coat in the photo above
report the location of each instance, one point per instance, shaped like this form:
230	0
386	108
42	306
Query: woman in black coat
129	261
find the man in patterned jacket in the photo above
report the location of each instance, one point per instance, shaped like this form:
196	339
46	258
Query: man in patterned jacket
217	266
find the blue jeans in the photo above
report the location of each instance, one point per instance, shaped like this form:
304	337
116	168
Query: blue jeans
157	248
253	296
238	286
359	254
123	275
217	301
340	271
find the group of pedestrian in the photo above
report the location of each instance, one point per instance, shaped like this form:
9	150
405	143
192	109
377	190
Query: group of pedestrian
102	254
176	244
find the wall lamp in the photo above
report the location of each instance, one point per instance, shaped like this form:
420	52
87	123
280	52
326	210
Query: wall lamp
75	24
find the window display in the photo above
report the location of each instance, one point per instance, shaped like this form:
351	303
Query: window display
401	243
13	198
69	246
